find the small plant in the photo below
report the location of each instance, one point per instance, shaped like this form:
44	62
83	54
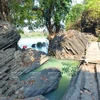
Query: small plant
39	44
70	68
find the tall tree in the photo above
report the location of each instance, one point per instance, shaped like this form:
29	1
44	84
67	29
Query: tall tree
17	11
91	16
49	13
52	13
73	18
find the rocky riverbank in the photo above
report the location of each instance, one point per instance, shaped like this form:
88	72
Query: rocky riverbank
14	62
85	85
68	45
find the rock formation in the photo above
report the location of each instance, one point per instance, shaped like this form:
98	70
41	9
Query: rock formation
85	85
39	83
27	61
13	63
40	97
71	45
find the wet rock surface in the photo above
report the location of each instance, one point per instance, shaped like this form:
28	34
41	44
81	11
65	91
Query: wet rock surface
70	44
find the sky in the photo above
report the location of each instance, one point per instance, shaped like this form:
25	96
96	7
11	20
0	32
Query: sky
77	1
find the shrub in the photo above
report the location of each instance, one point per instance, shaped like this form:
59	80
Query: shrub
74	16
39	44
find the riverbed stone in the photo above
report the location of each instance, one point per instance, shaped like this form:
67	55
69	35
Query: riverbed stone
8	35
39	97
26	61
40	82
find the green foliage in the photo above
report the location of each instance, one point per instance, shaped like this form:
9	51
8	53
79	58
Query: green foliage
74	16
70	68
94	7
32	34
48	12
53	11
39	44
21	10
91	16
84	16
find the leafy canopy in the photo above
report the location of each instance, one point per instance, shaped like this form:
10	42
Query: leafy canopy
87	15
49	13
74	16
18	12
94	7
53	12
21	13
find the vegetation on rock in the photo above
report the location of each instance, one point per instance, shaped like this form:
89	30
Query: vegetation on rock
70	68
74	17
85	17
91	16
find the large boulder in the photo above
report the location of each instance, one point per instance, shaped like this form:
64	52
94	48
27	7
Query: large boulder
8	35
71	44
40	83
13	61
27	61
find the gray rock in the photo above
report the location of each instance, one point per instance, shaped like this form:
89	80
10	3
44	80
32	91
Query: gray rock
71	44
39	97
14	62
27	61
40	82
8	35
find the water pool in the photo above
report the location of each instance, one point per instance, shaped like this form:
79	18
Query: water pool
64	82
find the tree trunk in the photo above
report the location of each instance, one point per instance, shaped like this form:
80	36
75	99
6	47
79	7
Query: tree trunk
4	10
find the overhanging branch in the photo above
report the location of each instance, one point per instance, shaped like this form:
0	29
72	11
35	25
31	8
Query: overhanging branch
38	9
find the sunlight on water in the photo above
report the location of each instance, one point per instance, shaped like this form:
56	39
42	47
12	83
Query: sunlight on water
29	41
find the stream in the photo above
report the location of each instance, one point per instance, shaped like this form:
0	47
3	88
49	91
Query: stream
57	63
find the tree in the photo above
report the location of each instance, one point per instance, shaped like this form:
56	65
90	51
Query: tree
17	11
91	16
49	13
73	18
52	13
85	17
